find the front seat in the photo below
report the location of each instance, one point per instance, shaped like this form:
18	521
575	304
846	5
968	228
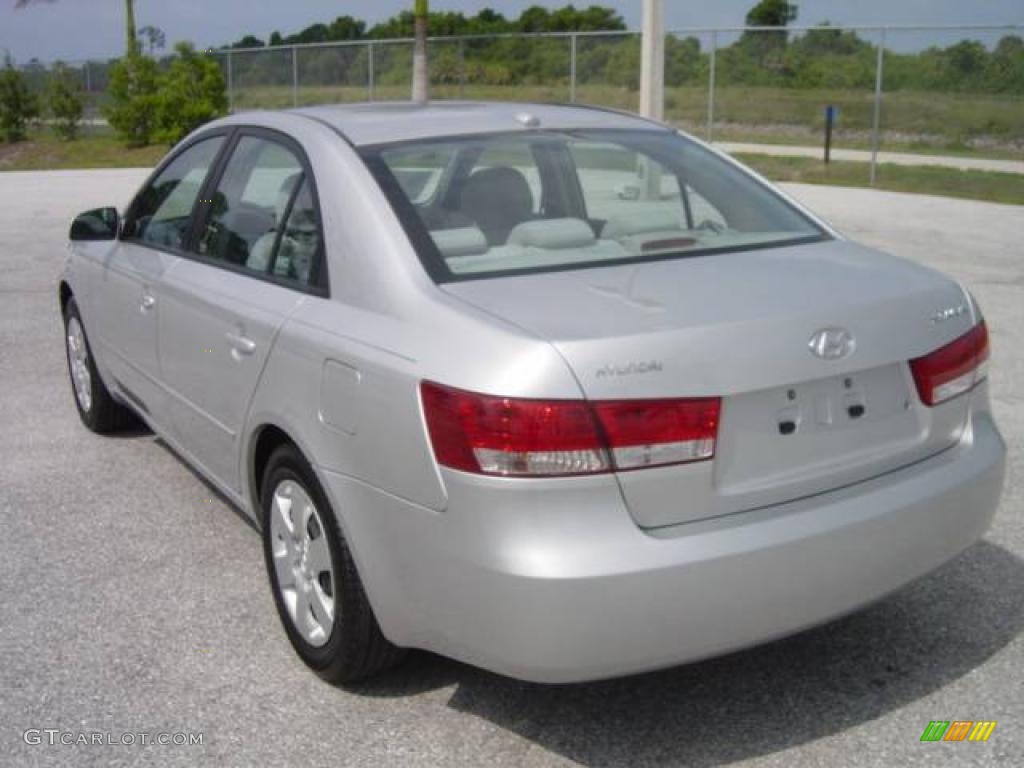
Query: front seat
497	199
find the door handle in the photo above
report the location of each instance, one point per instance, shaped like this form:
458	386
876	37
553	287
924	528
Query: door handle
240	344
148	302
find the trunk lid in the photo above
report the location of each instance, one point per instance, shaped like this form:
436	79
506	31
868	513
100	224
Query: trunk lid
738	326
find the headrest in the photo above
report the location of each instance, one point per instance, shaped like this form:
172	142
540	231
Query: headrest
496	199
552	234
465	241
641	220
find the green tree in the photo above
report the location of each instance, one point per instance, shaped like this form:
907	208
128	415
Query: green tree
64	101
766	47
772	13
133	99
1006	69
249	41
17	104
191	93
154	37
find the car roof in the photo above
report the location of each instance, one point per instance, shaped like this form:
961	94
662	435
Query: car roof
389	122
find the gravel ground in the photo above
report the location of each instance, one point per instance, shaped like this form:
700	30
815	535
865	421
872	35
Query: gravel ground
134	599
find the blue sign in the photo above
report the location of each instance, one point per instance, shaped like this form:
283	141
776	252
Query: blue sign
831	113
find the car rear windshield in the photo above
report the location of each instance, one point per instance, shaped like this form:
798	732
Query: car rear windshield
484	206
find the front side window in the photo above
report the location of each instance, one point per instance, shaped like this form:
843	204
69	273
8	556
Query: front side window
262	216
161	215
555	200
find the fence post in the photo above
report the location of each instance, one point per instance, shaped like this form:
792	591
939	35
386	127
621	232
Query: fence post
876	120
711	86
231	85
369	72
462	68
295	76
572	68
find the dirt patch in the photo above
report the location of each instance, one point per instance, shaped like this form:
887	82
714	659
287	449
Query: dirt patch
9	153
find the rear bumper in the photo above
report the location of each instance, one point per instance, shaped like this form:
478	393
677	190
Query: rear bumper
554	582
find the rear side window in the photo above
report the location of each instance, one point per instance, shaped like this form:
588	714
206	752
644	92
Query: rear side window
262	216
161	214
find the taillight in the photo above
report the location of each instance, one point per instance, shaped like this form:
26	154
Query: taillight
493	435
648	433
953	369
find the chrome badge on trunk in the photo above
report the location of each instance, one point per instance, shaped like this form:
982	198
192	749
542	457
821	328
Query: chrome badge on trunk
832	343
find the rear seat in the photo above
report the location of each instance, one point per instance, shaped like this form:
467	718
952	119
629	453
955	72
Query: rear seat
530	243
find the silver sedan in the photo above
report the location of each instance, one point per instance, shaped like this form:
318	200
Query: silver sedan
556	391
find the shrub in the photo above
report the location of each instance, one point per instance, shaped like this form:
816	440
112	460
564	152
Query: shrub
134	99
192	92
64	99
17	104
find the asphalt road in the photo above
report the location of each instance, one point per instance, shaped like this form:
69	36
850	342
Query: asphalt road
133	599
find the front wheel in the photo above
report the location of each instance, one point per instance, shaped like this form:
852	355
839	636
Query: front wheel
316	587
96	406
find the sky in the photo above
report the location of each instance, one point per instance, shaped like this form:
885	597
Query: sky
80	29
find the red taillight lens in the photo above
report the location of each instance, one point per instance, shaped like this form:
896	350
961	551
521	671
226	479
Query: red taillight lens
648	433
509	436
953	369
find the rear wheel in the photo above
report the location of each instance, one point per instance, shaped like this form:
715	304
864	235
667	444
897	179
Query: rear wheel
96	407
316	587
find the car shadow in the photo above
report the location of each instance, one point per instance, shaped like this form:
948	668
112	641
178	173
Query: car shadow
135	428
773	697
210	487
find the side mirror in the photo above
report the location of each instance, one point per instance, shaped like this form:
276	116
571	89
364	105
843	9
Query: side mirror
99	224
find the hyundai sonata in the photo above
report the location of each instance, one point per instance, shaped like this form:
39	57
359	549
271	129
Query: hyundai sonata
556	391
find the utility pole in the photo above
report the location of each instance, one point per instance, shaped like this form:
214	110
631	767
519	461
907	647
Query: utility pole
420	68
131	40
652	61
652	88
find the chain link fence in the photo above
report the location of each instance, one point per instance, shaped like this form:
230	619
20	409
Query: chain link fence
925	89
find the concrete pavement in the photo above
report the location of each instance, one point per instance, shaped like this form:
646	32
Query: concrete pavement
133	599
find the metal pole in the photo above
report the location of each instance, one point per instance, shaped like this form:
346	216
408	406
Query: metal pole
711	88
652	61
572	69
420	54
88	78
369	71
830	117
877	119
295	76
462	68
231	86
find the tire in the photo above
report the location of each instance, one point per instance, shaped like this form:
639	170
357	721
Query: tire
348	646
96	406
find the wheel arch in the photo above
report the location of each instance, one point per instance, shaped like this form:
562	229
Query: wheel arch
268	434
265	439
65	294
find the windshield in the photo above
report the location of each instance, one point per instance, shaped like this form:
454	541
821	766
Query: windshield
482	206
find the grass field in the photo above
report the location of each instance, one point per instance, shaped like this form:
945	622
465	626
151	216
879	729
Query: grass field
974	185
98	148
94	149
931	123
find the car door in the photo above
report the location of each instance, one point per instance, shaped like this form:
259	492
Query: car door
126	307
255	256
